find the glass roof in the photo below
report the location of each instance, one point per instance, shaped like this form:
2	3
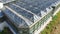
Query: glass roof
35	6
6	1
22	12
17	20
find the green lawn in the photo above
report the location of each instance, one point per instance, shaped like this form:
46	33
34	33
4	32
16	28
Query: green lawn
50	27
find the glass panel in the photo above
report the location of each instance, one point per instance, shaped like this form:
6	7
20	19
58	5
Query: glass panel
22	12
36	26
6	1
17	20
31	30
35	6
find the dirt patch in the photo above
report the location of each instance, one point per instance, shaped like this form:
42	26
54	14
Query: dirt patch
56	30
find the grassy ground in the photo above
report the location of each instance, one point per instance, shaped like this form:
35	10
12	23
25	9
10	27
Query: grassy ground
54	26
6	31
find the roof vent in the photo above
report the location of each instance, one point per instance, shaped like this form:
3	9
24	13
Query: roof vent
1	5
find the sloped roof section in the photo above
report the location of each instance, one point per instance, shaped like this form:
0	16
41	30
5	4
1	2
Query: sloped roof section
6	1
26	12
19	22
35	6
22	12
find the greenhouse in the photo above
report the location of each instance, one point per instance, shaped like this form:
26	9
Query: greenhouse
28	16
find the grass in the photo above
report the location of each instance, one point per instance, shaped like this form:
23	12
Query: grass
6	31
50	27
